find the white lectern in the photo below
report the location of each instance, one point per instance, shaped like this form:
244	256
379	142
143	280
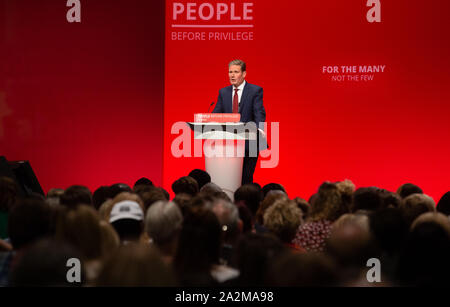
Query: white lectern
224	149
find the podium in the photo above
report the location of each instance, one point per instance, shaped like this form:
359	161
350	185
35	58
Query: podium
224	147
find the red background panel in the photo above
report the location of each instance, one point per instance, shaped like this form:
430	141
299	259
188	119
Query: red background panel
384	132
85	99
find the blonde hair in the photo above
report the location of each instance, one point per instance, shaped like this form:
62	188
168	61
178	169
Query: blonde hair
283	219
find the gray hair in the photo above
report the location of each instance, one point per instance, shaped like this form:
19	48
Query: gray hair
227	213
163	221
239	63
210	187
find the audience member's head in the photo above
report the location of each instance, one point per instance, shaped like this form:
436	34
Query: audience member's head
55	192
163	223
53	197
361	220
143	181
228	215
183	201
28	221
200	176
424	260
127	219
407	189
186	185
283	219
443	205
432	217
210	188
118	188
303	270
100	196
414	205
389	229
328	205
151	196
250	195
351	245
44	264
136	265
367	199
389	199
272	186
76	195
254	255
81	228
198	248
266	203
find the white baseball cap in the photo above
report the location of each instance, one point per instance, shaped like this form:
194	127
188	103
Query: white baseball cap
126	209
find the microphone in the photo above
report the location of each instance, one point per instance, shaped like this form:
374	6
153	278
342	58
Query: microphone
212	103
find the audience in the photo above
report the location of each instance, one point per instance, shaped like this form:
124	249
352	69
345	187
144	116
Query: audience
200	237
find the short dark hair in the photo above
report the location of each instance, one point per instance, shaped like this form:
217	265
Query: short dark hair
28	221
118	188
143	181
186	185
76	195
201	176
272	186
44	264
100	196
251	195
367	198
443	205
407	189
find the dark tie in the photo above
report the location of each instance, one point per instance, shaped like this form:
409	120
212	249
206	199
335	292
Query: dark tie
235	101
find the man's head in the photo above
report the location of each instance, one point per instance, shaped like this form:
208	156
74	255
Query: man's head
236	72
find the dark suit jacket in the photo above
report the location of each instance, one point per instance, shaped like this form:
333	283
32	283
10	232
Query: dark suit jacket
251	107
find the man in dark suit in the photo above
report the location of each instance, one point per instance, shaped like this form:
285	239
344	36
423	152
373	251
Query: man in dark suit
246	99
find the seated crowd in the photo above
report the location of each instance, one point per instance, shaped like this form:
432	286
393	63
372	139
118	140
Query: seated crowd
125	236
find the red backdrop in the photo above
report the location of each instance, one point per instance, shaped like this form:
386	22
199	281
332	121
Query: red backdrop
383	132
83	102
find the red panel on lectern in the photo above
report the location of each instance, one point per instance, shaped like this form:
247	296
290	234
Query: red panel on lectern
217	117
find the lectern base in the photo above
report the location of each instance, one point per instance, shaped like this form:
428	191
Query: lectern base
225	169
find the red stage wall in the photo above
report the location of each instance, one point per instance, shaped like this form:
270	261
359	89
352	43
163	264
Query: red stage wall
380	128
83	101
